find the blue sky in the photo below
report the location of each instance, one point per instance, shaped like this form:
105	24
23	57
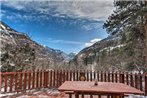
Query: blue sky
67	25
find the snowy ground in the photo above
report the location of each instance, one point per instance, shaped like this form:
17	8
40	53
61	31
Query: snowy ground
48	93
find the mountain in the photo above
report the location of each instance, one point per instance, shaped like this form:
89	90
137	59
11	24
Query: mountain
112	53
71	55
20	52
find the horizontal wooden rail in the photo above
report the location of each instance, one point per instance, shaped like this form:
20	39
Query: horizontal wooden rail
27	80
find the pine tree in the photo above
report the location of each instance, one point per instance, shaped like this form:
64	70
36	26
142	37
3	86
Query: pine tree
128	20
127	15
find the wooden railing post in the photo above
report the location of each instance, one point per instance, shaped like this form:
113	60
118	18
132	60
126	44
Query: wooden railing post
127	78
108	76
121	80
94	76
63	76
48	78
33	81
123	77
67	75
91	75
11	82
0	81
120	77
136	80
112	76
105	79
131	80
6	82
98	76
140	75
74	75
25	80
58	78
87	75
77	75
102	76
116	77
20	80
54	78
44	78
40	78
16	78
29	80
37	78
70	77
51	78
146	84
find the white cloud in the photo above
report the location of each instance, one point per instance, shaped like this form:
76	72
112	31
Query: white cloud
91	26
94	12
92	42
50	40
88	9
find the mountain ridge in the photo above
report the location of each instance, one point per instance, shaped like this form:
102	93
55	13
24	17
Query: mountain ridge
14	43
111	53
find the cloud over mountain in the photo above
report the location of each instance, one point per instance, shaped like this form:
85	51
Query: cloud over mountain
92	42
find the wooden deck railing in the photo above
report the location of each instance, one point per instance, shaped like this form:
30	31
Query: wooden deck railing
22	81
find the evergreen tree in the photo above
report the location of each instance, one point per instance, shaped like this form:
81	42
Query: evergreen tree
128	15
128	20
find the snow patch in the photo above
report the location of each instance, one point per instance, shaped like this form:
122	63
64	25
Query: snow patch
111	48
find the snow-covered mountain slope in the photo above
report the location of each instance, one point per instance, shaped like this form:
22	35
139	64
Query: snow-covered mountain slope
23	53
112	53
